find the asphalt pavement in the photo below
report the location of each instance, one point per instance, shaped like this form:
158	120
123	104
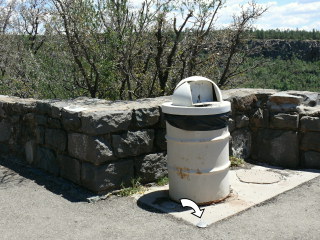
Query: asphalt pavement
34	205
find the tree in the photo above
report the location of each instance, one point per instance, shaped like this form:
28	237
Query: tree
22	37
83	31
117	49
31	22
236	51
7	9
156	49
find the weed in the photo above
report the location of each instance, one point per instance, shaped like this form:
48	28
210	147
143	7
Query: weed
162	181
236	162
135	187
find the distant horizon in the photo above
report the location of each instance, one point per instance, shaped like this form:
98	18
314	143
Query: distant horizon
288	29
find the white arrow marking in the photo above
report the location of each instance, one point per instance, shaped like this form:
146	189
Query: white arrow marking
189	203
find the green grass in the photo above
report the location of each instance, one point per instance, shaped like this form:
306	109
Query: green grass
163	181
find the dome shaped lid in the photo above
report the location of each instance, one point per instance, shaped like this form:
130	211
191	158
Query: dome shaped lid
196	96
196	91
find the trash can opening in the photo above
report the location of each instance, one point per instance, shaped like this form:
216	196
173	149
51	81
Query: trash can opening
202	92
196	91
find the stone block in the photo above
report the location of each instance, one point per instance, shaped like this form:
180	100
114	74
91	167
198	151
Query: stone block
231	125
24	132
4	149
54	123
261	94
90	149
240	143
46	159
6	108
17	149
70	120
145	117
103	122
285	98
244	103
162	119
40	135
30	151
310	141
151	167
69	168
25	106
276	147
3	113
284	121
160	139
15	118
5	130
242	121
260	118
133	143
284	108
29	118
55	112
284	102
308	98
311	159
41	120
56	138
56	107
310	124
43	107
106	177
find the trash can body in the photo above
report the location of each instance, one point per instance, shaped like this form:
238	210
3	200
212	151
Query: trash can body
198	149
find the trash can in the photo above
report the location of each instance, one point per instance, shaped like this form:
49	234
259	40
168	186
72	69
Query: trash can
197	142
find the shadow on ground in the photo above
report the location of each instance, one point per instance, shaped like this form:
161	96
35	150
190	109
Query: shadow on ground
13	172
159	202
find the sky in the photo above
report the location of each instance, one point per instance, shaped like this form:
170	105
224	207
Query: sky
282	14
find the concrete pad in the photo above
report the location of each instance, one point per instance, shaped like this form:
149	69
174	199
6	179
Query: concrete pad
243	194
258	176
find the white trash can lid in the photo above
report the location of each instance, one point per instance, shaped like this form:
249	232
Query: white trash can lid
196	95
196	90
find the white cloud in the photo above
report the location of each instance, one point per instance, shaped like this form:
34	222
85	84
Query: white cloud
282	14
302	14
234	7
292	15
308	1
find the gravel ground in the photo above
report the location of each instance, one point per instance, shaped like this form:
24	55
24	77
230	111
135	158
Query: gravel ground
34	206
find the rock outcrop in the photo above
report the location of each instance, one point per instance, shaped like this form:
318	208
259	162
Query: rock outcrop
307	50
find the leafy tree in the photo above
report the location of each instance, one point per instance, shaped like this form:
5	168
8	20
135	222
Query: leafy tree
113	49
293	74
286	34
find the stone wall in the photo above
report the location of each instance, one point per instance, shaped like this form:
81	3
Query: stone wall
101	145
279	128
94	143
